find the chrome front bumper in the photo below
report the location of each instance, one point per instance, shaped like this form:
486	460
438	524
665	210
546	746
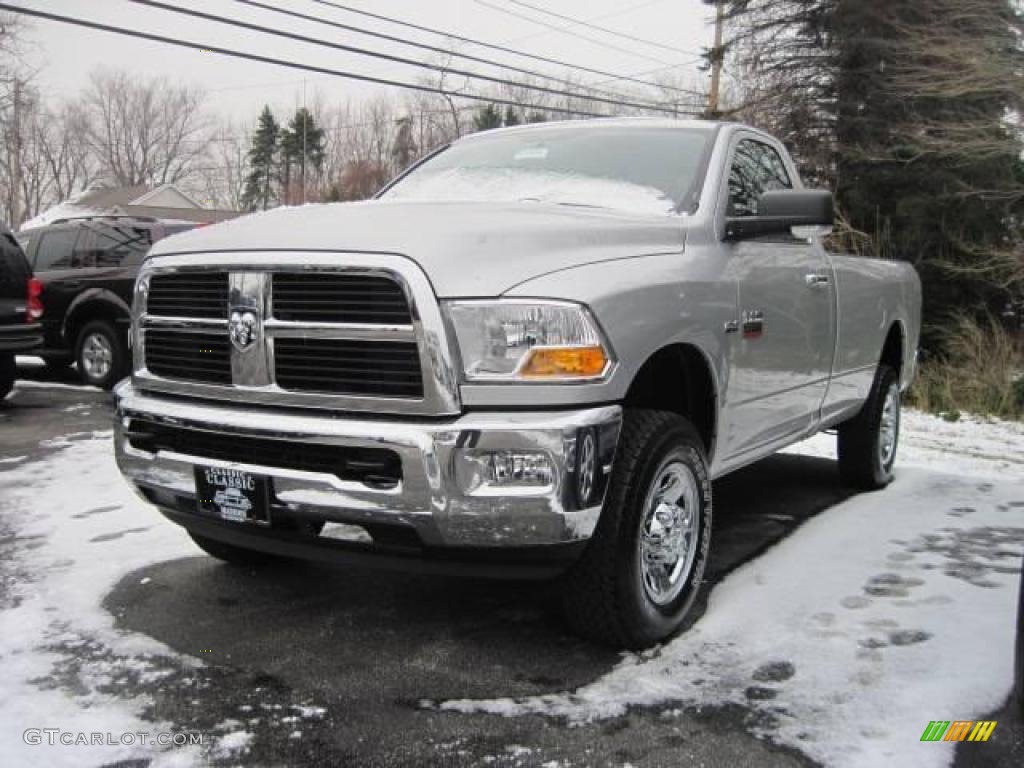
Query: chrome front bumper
442	495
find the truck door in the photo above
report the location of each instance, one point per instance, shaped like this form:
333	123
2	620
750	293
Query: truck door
782	344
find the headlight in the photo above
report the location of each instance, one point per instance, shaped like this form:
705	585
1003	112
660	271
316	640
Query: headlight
526	340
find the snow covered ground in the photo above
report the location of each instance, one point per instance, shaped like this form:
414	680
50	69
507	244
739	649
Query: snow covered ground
70	529
843	641
877	616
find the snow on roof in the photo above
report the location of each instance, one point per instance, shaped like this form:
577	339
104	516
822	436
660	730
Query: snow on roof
65	210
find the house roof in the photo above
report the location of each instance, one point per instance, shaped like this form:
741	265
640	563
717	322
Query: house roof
108	197
166	191
166	201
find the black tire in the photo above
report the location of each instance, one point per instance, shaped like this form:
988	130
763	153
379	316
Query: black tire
229	553
8	370
604	595
862	463
105	333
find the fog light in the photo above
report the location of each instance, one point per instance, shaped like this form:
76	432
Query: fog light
507	468
497	472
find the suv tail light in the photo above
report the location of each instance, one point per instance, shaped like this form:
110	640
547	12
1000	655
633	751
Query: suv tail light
35	300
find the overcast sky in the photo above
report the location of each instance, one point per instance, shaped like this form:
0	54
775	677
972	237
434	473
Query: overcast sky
237	89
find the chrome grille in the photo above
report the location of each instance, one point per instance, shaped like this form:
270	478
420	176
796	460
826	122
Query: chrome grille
189	294
189	355
347	366
339	298
345	331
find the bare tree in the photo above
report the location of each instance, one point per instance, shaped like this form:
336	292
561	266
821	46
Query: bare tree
144	132
62	143
226	167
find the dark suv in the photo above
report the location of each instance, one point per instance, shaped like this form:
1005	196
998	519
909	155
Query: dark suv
19	309
87	269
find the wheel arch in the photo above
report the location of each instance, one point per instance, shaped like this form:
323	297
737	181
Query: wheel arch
894	348
679	378
93	304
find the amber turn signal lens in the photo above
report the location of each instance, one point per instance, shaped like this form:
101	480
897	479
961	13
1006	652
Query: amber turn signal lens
581	362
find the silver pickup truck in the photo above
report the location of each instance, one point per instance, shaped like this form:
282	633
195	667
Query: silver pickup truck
530	355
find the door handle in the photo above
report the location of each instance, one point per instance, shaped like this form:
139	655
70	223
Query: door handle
813	280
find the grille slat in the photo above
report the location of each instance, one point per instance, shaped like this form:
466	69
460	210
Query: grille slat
189	355
376	467
333	372
339	299
188	294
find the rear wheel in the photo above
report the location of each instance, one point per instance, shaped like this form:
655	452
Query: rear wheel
867	442
641	572
229	553
7	372
102	354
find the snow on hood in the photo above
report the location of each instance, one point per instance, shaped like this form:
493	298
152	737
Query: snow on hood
466	249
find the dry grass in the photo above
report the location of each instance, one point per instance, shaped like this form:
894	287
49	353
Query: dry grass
982	372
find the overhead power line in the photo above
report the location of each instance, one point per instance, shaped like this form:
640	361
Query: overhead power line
568	31
207	47
584	23
397	59
482	44
421	46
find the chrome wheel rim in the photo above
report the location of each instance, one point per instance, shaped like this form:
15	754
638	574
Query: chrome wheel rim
888	430
97	356
668	532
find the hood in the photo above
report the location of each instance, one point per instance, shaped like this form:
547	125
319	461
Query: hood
466	249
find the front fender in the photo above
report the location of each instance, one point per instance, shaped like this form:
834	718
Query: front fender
643	304
110	300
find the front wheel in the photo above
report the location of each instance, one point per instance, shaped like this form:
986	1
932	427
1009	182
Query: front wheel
867	442
102	354
641	572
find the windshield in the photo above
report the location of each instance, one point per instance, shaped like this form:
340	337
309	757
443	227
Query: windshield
637	169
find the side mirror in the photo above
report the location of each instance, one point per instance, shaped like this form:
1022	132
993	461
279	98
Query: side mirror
781	210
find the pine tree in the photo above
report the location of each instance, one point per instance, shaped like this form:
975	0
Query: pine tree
902	107
487	117
302	147
262	159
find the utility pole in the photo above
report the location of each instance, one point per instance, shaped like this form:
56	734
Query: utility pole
304	113
16	160
717	55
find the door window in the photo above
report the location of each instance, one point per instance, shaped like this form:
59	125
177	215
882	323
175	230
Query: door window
756	168
55	249
113	245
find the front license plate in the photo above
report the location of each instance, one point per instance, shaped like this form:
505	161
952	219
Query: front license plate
232	494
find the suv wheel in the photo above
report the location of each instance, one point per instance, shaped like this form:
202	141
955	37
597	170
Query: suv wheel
7	371
102	354
641	572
